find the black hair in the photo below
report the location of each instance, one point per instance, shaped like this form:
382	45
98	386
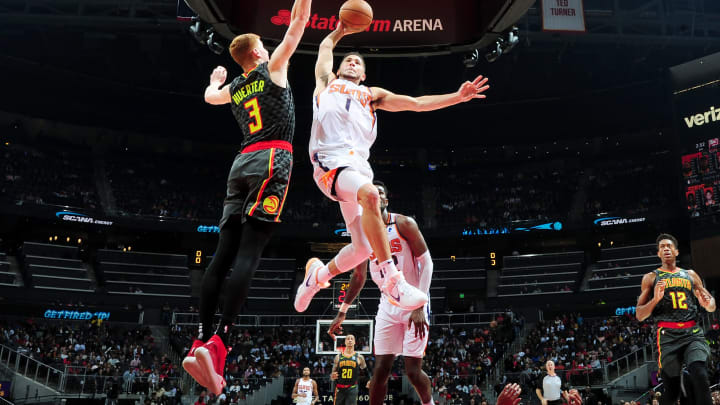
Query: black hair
381	184
357	54
664	236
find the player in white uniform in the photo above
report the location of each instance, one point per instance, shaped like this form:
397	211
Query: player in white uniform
305	391
344	128
394	334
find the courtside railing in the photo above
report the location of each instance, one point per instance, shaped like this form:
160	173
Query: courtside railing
193	318
31	368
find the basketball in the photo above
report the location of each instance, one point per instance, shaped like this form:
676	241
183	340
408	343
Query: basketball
356	14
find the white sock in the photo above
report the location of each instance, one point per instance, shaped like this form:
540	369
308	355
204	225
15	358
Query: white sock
323	275
429	403
388	269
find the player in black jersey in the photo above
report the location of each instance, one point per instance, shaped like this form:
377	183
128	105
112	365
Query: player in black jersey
672	295
262	103
345	372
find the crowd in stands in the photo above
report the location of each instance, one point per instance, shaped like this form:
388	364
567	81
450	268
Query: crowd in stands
577	346
41	176
166	186
460	192
494	198
97	356
628	186
458	360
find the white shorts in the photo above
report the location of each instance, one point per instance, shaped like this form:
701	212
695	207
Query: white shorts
339	177
392	335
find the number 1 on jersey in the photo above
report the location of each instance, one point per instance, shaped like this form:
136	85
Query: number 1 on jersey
253	110
678	300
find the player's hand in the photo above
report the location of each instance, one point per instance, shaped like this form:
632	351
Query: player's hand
417	317
343	29
510	395
659	291
543	401
573	397
334	375
704	298
219	75
368	384
469	91
336	325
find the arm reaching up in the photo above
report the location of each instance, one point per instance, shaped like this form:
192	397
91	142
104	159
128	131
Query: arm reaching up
324	64
279	60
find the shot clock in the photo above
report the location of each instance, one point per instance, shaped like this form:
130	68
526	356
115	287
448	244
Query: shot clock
340	289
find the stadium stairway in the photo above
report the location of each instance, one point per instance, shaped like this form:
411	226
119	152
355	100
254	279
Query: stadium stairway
577	206
586	277
102	183
13	268
493	279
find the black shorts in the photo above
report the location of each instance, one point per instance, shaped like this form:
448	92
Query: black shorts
257	185
680	346
346	396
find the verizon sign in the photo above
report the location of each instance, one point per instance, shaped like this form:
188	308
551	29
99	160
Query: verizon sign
702	118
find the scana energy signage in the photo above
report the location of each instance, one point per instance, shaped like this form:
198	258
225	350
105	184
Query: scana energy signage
612	221
81	218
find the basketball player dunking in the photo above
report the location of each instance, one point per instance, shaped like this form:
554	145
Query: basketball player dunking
262	103
344	128
305	391
394	332
671	296
345	372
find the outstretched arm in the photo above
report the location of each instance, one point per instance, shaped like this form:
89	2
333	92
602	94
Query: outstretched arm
705	299
357	281
389	101
277	65
324	64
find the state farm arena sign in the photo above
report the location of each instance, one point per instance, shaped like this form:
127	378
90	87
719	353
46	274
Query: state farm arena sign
394	25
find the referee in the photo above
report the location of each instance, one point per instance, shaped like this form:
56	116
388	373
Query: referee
551	386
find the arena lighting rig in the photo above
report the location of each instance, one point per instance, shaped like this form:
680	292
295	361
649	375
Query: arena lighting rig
400	27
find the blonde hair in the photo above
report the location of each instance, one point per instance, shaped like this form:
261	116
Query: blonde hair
241	48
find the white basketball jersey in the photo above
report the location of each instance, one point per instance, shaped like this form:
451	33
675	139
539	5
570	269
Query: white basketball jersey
343	120
307	388
402	256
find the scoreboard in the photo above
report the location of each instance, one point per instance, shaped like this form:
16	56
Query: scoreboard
340	289
696	101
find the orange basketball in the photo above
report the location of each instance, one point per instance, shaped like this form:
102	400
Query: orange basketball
356	14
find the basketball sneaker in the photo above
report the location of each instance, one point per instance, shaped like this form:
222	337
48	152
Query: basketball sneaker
211	357
191	365
401	294
310	286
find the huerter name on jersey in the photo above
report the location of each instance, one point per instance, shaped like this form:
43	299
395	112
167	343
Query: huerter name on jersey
247	90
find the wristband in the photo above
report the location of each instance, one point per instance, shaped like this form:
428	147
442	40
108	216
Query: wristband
344	308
